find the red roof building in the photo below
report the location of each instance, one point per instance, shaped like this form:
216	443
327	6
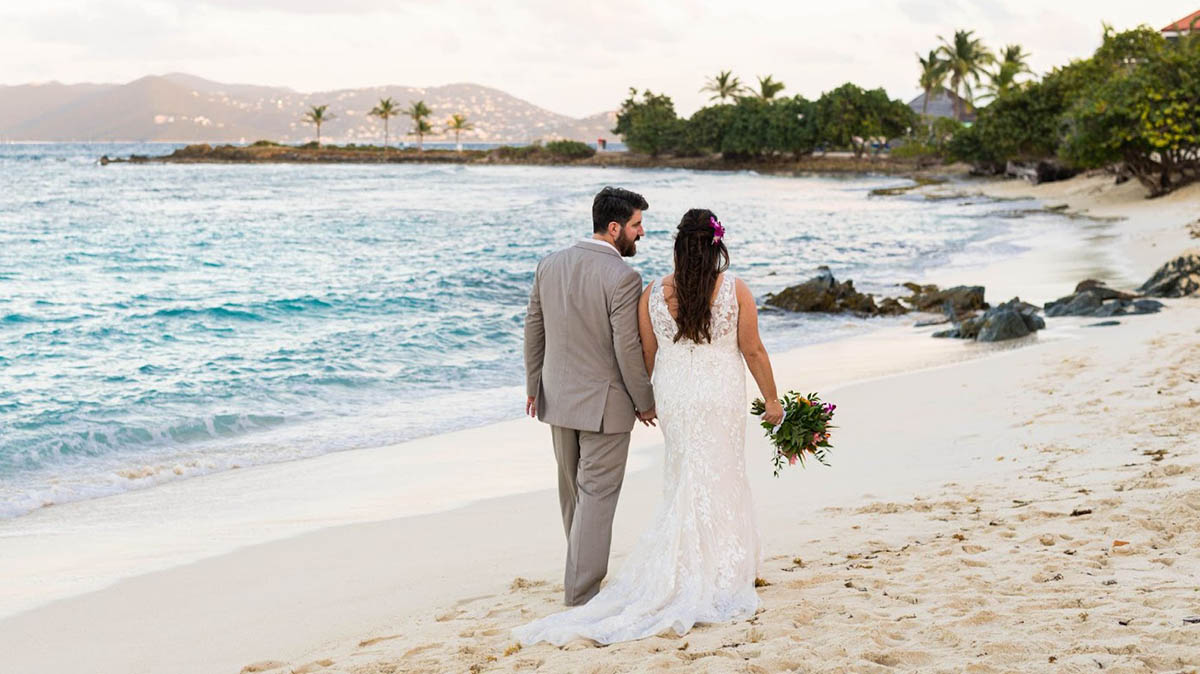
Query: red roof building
1182	27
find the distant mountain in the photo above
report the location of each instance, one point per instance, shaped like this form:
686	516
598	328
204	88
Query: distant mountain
181	107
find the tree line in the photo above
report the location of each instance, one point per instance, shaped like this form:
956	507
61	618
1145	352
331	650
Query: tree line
388	108
750	122
1133	107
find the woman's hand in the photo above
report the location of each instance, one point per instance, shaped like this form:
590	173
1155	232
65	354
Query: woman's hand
773	413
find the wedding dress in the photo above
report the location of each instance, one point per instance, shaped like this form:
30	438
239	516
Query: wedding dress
697	561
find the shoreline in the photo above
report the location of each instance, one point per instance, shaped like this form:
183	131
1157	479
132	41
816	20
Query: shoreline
341	572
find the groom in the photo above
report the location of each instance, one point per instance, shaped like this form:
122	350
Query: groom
585	376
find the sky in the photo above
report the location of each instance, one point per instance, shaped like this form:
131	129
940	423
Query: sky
576	58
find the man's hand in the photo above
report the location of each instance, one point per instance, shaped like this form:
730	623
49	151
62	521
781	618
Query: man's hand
647	418
531	407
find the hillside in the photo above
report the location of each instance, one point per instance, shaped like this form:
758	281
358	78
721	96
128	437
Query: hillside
180	107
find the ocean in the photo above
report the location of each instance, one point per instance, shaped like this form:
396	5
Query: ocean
159	322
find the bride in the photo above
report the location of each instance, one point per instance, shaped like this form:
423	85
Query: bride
698	560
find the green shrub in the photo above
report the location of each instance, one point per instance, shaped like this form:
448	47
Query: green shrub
517	152
570	149
264	143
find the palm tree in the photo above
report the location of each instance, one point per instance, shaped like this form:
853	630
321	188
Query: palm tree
386	109
317	116
723	86
458	123
933	76
965	58
418	112
1014	61
768	87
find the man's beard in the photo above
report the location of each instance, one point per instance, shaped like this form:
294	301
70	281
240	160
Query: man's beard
626	245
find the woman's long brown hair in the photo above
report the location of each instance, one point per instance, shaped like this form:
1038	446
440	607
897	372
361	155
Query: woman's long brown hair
698	264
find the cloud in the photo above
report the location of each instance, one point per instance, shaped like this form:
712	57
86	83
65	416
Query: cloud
572	57
930	12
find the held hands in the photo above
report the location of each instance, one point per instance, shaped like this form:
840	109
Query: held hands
647	418
773	412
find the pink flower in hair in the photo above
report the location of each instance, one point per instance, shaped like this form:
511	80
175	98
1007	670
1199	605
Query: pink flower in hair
718	229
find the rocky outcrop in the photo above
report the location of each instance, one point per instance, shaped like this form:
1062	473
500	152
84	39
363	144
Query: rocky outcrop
823	293
1178	278
1010	320
1093	298
962	299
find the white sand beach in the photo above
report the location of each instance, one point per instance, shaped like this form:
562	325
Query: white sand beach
1024	507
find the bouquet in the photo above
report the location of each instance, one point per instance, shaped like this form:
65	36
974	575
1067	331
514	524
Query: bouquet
805	428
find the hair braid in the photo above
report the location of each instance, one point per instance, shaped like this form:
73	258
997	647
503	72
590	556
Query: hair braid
698	263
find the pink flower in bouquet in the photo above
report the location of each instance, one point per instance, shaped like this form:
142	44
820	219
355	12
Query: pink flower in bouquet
792	460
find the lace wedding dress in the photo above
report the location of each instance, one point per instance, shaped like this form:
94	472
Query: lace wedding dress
698	560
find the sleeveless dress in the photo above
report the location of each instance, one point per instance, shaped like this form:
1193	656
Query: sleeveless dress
698	559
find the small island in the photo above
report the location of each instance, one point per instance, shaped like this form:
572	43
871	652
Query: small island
553	153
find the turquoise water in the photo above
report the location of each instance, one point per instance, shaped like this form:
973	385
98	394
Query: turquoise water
164	321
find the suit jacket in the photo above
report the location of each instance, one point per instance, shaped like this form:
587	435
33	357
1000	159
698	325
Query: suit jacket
583	356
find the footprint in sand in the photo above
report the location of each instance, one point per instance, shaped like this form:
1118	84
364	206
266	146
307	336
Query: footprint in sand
374	640
314	666
420	649
520	583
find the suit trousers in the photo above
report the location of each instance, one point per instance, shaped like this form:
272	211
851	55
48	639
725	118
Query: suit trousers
591	469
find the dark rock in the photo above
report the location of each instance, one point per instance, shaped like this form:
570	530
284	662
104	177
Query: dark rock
824	275
969	329
1178	278
1002	324
1102	324
1126	307
1093	298
1110	308
823	293
1081	304
1010	320
1147	306
961	298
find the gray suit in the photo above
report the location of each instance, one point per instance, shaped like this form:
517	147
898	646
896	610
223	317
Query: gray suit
584	367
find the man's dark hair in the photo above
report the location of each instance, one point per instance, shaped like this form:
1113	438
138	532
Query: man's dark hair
613	204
